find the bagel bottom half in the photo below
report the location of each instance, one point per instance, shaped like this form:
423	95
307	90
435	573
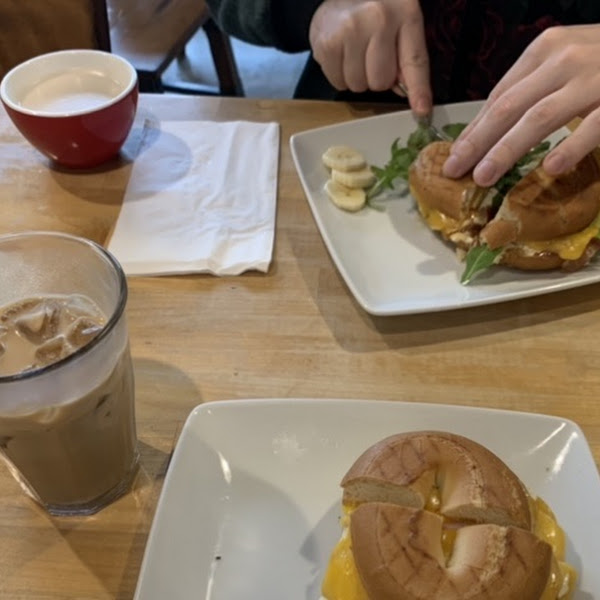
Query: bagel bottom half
436	516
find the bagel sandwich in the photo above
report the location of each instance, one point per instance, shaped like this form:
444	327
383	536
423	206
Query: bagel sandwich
431	515
540	223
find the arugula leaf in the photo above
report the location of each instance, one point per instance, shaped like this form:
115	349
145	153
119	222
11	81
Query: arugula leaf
511	177
453	130
422	136
402	157
481	258
478	259
397	167
536	152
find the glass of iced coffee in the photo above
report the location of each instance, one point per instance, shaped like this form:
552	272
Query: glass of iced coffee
67	417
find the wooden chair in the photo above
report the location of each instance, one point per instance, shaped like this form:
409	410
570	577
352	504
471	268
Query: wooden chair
151	34
29	28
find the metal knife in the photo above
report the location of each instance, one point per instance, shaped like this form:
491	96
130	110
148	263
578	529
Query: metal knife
426	120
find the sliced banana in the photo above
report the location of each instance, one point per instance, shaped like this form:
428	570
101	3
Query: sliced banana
363	178
343	158
351	199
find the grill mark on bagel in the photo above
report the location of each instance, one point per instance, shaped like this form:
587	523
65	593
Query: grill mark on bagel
398	549
540	207
510	541
395	555
449	196
405	468
410	549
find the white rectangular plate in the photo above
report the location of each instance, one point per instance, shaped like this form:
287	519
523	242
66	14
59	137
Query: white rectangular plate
391	261
251	501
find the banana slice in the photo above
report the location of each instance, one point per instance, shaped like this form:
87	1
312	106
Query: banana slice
363	178
351	199
343	158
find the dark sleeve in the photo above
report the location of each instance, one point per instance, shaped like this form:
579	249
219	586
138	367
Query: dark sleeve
281	24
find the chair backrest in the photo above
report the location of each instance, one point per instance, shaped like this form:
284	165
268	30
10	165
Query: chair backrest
32	27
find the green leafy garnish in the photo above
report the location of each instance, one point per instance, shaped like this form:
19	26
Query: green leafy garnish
397	167
511	177
401	157
478	259
453	130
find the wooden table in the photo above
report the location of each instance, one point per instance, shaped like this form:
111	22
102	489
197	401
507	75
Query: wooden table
293	332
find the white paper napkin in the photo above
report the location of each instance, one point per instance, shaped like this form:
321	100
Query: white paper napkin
201	198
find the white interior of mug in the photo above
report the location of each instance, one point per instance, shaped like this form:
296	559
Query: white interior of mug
67	83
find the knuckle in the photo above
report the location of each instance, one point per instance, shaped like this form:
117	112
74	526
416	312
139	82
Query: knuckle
592	122
351	25
493	96
327	46
336	81
542	115
570	57
357	86
380	82
549	38
416	60
348	26
411	14
378	14
503	108
505	153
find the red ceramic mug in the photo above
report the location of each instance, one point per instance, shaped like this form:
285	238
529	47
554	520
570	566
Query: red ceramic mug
75	106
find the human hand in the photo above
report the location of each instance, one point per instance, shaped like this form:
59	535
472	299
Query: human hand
371	45
556	79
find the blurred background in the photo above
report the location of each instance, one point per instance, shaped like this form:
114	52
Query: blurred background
175	45
265	72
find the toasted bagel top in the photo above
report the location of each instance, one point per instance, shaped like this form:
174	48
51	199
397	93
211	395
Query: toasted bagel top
540	207
431	188
474	484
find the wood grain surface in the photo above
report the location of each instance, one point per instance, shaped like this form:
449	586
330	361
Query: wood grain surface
293	332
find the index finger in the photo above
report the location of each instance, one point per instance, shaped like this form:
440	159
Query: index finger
414	63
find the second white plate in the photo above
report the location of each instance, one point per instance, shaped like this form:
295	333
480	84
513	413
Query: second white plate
251	503
391	262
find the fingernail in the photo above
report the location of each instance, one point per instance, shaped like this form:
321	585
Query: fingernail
485	173
555	164
458	162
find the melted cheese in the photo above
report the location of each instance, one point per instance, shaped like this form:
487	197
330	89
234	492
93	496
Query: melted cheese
342	581
568	247
563	576
437	220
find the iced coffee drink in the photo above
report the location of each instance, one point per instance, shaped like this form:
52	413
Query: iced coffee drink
36	333
67	418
